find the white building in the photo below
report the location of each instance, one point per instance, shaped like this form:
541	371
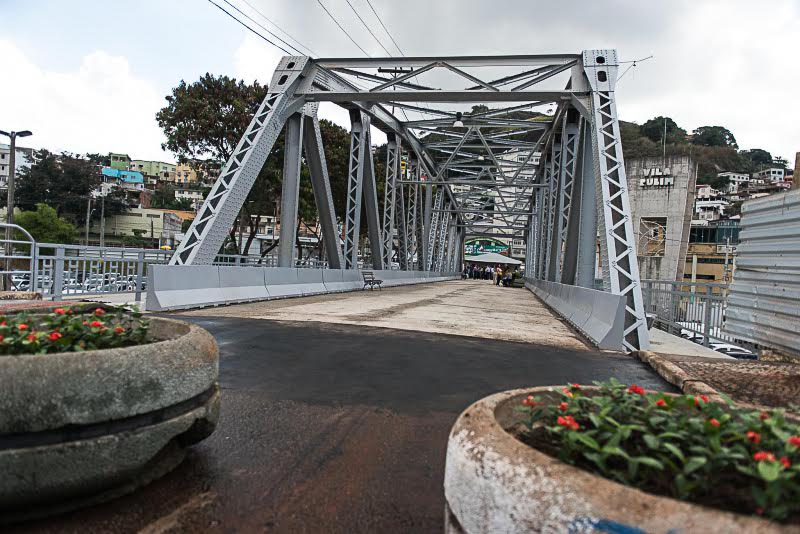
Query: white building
709	210
706	192
190	194
736	181
23	159
771	175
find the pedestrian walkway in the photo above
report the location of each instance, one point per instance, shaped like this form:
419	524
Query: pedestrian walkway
474	308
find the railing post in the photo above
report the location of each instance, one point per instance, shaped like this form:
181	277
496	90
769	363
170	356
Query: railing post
139	272
707	317
58	275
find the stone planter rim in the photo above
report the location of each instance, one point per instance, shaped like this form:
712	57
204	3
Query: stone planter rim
490	473
50	391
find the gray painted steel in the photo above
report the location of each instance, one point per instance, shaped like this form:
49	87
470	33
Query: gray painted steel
764	299
493	171
598	315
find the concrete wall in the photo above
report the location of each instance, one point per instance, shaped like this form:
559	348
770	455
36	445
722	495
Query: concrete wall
652	195
598	315
176	287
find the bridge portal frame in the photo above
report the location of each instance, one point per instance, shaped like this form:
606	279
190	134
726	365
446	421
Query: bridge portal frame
576	192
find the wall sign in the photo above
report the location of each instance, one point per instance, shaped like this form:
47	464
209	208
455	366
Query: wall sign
657	177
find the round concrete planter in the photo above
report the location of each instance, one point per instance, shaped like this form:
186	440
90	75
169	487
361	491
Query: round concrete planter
79	428
496	483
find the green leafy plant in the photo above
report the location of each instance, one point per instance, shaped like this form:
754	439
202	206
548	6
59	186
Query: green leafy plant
683	446
71	330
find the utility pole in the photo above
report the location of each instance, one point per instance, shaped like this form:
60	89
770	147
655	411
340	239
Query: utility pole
102	217
88	218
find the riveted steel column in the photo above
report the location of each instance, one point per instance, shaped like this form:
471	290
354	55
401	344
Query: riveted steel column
371	204
320	182
617	240
355	185
390	191
290	191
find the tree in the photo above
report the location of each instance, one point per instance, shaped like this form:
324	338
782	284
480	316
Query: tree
46	226
713	136
207	118
65	183
164	198
654	130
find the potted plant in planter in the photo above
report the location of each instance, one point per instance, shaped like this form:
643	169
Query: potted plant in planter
96	402
615	458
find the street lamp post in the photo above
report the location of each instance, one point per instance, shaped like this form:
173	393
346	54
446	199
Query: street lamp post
8	250
12	171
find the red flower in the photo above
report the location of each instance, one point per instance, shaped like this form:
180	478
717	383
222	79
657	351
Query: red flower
568	421
713	422
59	311
96	324
3	323
794	441
575	386
567	392
703	398
762	456
54	336
85	323
529	401
764	416
754	437
563	406
639	390
22	327
2	338
31	337
661	403
99	312
786	463
120	330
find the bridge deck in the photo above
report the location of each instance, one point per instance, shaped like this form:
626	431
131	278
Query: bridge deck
341	428
473	308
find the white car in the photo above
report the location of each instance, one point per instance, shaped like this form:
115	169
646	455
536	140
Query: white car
734	351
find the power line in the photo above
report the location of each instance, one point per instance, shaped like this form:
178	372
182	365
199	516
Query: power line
340	27
263	28
287	34
248	27
385	29
367	27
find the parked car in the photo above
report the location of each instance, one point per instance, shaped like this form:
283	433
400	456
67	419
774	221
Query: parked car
734	351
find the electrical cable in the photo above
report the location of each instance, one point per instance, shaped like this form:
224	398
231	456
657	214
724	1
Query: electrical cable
248	27
287	34
367	27
385	29
262	27
340	27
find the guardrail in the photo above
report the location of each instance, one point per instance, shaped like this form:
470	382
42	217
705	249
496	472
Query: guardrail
693	310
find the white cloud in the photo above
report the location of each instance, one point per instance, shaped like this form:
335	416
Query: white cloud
99	107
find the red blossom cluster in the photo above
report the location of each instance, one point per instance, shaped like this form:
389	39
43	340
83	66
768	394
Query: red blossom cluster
638	390
568	421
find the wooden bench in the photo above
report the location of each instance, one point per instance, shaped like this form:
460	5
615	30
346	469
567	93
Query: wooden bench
370	280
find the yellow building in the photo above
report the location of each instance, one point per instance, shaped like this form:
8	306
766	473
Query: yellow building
185	174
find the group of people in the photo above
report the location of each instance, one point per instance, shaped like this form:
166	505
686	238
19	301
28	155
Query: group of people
496	274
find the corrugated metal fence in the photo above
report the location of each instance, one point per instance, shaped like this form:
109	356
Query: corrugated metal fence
764	299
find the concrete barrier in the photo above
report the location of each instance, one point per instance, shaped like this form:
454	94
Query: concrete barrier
242	284
175	287
172	289
598	315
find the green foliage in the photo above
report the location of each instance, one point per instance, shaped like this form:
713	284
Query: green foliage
683	445
206	119
713	136
137	240
46	226
654	130
63	182
164	198
71	330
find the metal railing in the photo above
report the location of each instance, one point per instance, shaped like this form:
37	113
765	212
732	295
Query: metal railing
693	310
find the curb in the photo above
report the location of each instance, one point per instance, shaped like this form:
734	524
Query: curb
677	376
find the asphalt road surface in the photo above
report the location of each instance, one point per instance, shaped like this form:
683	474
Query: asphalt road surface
335	428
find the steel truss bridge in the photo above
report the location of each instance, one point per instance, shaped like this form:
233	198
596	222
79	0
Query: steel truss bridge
501	169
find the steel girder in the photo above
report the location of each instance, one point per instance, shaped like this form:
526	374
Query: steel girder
552	179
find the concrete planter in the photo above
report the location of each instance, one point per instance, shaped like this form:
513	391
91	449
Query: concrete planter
495	483
79	428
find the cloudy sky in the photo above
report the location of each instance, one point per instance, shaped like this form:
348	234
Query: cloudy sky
90	75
